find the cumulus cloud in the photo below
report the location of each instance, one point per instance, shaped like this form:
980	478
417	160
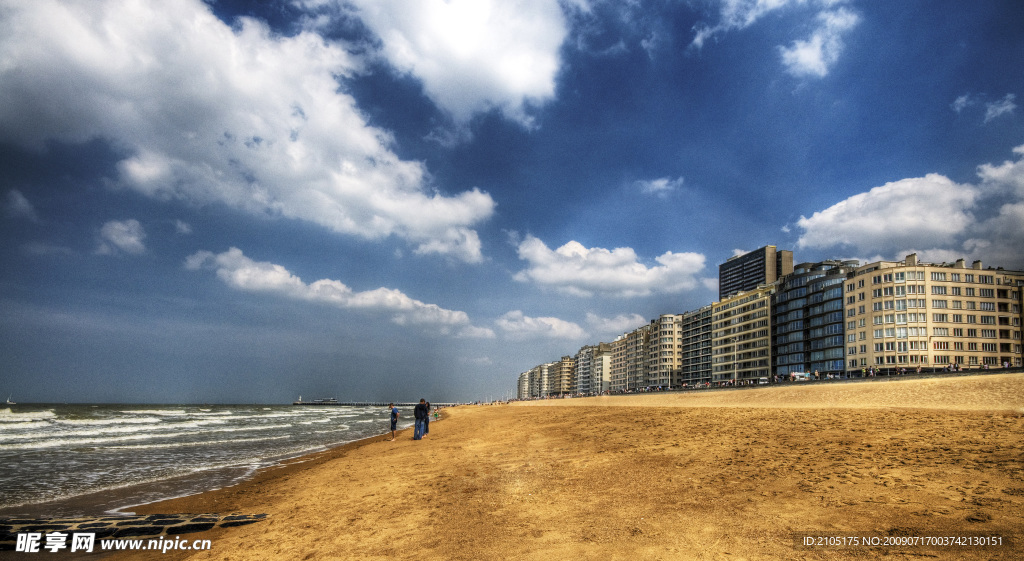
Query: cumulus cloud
125	236
17	206
211	113
933	216
1004	106
582	271
242	273
473	55
911	212
517	326
616	325
660	187
182	227
804	57
814	56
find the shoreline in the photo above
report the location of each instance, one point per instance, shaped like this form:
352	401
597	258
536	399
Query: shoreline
660	479
118	501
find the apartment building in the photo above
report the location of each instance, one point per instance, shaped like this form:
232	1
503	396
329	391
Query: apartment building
807	319
909	314
741	338
746	272
665	351
696	340
593	374
629	359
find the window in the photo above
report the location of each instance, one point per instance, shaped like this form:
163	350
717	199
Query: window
986	279
938	303
958	318
899	277
940	345
988	333
938	276
879	347
955	277
938	290
958	332
940	331
987	306
969	291
986	293
968	278
940	317
954	290
988	320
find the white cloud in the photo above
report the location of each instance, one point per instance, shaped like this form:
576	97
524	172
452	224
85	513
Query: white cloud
182	227
577	270
125	236
804	57
1004	106
17	206
961	103
210	113
518	327
616	325
933	216
814	56
242	273
915	212
473	55
660	187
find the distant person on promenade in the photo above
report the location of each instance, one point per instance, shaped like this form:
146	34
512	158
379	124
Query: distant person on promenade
421	413
426	421
394	420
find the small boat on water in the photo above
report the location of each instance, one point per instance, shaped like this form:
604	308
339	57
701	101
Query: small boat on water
9	402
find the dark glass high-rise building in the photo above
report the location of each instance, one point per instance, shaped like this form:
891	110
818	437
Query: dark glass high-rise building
745	272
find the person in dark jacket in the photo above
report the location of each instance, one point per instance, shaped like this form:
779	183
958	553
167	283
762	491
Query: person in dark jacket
421	412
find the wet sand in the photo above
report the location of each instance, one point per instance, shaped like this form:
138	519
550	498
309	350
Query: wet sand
718	475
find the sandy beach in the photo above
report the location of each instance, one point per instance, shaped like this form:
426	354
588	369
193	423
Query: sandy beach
717	475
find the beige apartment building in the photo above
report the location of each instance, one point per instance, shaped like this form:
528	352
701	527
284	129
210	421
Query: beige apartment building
563	379
665	351
741	338
909	314
629	359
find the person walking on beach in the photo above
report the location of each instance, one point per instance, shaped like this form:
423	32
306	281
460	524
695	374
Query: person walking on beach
426	421
420	413
394	420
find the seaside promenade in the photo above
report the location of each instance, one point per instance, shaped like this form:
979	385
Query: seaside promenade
711	475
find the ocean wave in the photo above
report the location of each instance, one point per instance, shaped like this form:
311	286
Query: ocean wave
159	427
198	443
89	442
162	412
114	421
25	425
6	416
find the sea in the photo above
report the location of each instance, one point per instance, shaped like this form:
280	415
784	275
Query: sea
78	460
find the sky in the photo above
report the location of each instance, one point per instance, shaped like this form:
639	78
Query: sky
244	202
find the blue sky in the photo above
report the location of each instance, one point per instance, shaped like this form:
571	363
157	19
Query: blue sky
244	202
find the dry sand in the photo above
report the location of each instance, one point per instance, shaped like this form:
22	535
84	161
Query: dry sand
721	475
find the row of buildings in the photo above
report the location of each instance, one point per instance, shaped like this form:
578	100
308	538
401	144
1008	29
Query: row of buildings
775	321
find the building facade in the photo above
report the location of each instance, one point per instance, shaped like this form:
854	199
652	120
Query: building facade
696	340
665	351
909	314
741	338
746	272
807	319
